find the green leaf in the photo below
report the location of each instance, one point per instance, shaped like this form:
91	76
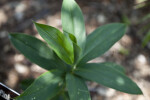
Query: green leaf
77	52
36	51
77	49
77	88
58	42
73	38
99	41
115	66
125	19
108	76
26	83
62	96
44	87
146	39
73	21
144	28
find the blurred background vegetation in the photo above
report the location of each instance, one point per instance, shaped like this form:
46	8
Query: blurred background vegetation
132	51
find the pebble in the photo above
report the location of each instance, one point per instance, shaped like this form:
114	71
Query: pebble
126	41
12	79
108	92
18	57
21	69
19	11
142	59
101	18
3	17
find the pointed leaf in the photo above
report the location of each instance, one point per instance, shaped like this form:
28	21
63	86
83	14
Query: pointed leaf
77	49
108	76
73	38
77	88
44	88
36	51
73	21
99	41
58	42
77	52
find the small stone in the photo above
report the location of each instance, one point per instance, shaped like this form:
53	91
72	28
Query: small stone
21	69
101	18
126	41
18	57
106	91
19	11
3	17
12	79
142	59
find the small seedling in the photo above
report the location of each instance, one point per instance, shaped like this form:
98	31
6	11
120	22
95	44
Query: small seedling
65	56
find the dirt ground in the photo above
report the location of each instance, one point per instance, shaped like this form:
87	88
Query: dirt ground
17	16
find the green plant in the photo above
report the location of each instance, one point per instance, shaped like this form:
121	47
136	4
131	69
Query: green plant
144	22
145	29
65	57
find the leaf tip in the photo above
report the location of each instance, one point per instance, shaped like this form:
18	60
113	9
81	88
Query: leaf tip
33	21
140	92
136	90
